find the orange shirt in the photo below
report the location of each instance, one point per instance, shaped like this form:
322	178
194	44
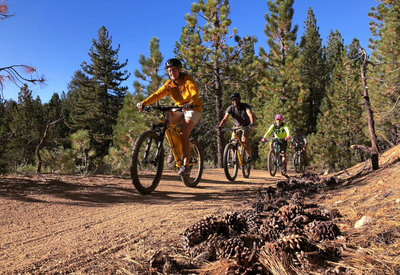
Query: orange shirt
183	90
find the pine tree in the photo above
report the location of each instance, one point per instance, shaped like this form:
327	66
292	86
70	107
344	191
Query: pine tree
333	51
100	94
313	70
342	120
53	111
281	89
150	70
27	124
208	55
130	125
384	76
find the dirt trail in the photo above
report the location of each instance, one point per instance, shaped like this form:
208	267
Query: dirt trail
64	224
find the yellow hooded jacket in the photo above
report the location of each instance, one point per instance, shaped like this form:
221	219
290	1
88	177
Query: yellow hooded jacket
183	90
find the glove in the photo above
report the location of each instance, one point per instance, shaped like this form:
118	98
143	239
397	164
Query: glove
219	128
263	140
287	138
251	125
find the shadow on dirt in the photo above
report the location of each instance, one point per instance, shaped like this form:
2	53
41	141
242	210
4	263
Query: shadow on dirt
105	191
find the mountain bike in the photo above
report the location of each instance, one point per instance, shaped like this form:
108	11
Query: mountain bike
299	161
235	156
275	157
147	160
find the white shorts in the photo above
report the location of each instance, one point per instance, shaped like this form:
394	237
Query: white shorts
193	116
189	115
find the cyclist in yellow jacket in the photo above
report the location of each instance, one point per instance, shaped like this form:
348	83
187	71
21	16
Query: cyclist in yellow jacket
182	88
281	131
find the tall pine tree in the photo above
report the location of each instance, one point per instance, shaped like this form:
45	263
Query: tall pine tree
204	46
281	89
342	121
313	70
384	78
100	94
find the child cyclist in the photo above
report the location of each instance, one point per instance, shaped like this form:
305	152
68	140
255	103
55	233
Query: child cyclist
282	132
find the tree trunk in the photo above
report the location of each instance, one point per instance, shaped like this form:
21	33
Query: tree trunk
39	146
370	117
218	112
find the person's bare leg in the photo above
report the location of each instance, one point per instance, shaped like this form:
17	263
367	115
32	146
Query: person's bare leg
186	128
247	146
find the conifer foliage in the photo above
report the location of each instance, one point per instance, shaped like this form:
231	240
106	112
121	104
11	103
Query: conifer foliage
99	95
150	67
384	76
282	90
313	69
208	54
342	120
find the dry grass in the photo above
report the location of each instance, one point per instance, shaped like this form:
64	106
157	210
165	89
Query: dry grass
374	248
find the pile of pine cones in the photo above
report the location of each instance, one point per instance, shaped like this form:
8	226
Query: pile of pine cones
279	223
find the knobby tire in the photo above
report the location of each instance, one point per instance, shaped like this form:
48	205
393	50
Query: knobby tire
196	163
272	165
146	172
230	162
246	167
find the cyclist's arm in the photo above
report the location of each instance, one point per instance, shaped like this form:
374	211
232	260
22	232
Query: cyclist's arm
269	131
224	119
287	130
156	96
250	114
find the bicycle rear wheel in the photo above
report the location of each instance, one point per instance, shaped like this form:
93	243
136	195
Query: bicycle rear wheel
146	163
196	164
246	165
272	165
230	162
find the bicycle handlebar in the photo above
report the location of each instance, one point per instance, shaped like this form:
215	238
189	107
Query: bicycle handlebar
234	129
161	108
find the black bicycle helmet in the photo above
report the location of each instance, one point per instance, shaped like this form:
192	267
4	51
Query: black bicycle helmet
234	95
173	62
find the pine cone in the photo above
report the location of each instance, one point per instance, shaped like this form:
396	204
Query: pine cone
200	231
322	230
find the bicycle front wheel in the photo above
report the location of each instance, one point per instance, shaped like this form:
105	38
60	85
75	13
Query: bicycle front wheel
230	162
297	162
302	163
196	164
272	165
147	162
246	166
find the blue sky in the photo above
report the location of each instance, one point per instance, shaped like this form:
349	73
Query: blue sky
55	36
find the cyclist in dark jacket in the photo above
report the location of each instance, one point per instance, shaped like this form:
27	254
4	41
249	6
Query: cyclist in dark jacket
242	117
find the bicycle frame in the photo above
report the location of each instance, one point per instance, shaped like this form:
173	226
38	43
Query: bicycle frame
239	147
166	129
277	150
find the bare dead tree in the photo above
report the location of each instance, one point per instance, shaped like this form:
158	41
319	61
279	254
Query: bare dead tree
4	11
13	73
370	116
39	146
